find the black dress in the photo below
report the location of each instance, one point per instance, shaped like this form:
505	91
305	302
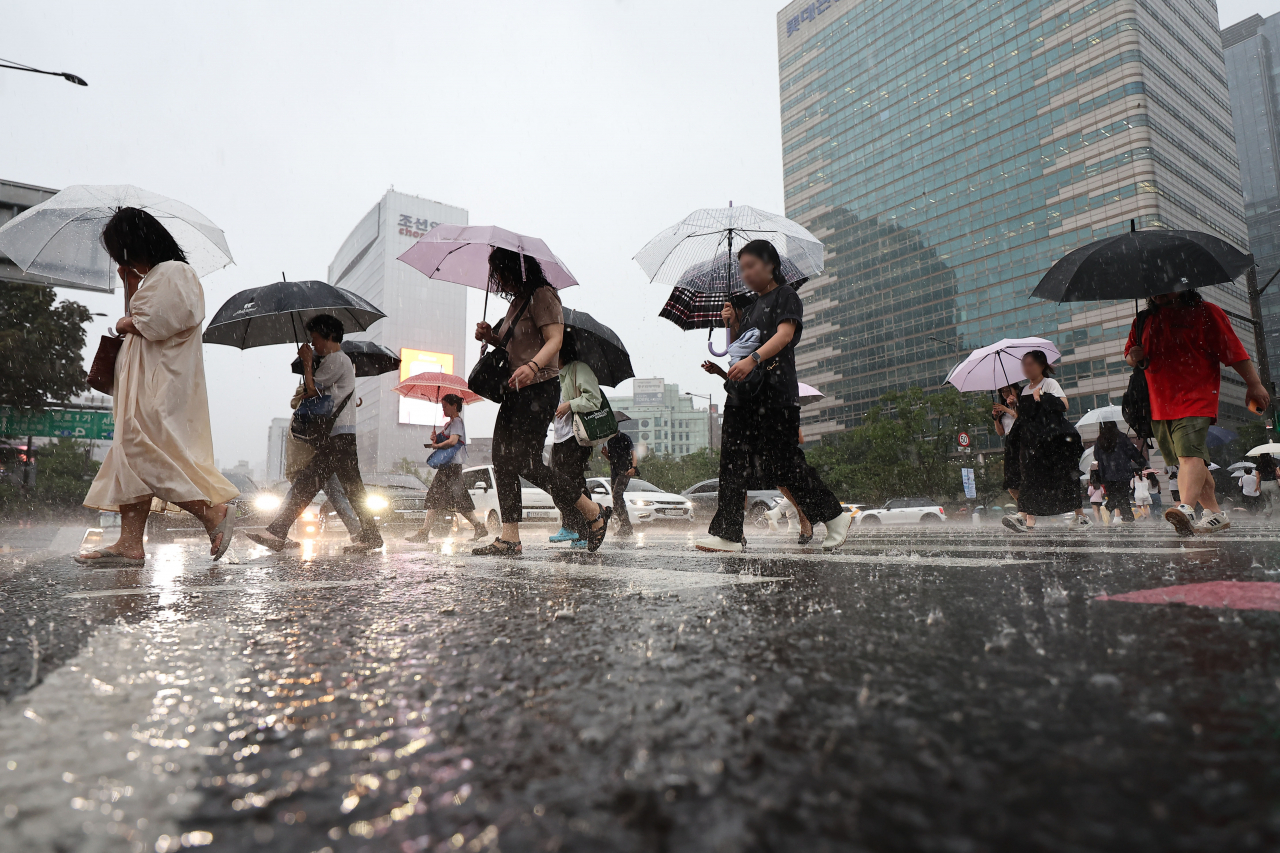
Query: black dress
1012	459
1049	454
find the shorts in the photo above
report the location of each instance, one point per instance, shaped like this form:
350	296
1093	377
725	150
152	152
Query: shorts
1184	438
1143	501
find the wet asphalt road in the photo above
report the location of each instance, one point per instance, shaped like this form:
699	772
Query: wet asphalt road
928	688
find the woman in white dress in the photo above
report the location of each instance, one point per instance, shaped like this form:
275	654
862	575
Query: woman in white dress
161	457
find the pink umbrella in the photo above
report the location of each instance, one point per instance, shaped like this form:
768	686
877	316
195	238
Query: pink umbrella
432	386
460	254
809	394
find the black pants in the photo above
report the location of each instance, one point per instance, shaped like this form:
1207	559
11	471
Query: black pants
619	487
570	459
336	455
759	449
518	436
1119	497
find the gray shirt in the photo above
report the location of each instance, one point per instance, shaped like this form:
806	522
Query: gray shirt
336	377
456	427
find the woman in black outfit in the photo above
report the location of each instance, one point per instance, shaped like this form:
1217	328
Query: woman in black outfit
1049	450
762	413
1117	460
528	406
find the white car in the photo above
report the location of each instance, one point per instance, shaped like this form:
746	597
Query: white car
904	511
645	501
537	504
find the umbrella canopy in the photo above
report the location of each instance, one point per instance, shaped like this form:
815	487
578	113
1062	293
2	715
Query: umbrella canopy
1270	447
1087	460
619	416
997	365
721	275
433	386
277	313
1242	473
1214	466
61	238
460	254
1219	436
1106	413
809	394
690	309
1141	264
1240	465
368	358
588	340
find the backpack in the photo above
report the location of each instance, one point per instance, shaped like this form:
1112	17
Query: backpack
1136	403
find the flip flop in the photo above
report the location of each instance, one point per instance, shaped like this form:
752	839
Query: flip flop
227	529
109	559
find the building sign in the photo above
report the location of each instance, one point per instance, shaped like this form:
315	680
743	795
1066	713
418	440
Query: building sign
58	423
413	362
808	13
415	227
647	392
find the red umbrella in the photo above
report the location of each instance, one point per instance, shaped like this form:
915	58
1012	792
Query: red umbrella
432	386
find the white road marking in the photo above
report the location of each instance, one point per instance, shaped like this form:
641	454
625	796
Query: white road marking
248	587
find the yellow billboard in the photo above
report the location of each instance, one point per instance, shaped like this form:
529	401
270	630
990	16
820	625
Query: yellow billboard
413	362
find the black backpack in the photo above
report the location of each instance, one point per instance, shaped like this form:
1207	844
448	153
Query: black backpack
1136	403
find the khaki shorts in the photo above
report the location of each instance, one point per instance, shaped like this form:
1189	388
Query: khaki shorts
1184	438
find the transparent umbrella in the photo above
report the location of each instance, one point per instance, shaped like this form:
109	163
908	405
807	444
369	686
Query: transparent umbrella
61	238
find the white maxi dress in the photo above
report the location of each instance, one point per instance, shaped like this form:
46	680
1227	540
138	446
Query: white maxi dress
163	445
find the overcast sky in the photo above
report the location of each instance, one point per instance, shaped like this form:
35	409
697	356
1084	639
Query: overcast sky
590	124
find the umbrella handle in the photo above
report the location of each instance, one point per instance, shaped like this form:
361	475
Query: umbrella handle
711	346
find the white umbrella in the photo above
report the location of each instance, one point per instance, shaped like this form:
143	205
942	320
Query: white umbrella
1239	465
1087	460
61	238
809	394
1271	447
1239	474
1214	466
1106	413
999	364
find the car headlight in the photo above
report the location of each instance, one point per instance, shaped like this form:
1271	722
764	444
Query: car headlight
376	502
309	515
639	502
266	502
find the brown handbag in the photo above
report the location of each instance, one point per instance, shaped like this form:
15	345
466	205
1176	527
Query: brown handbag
102	373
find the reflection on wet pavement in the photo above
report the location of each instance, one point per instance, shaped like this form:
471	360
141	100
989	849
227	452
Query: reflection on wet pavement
929	688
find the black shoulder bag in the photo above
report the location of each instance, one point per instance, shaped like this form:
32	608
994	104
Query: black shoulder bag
1136	403
492	372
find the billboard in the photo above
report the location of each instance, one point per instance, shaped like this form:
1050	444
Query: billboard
413	362
647	392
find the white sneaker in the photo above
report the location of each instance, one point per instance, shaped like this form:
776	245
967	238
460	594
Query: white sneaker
1183	519
837	531
1213	522
1016	523
717	545
1081	522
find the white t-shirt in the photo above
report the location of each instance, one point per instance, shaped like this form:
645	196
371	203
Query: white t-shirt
1141	488
1048	385
563	426
1006	422
1251	485
336	377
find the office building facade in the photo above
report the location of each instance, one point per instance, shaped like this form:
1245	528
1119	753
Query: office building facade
277	438
664	421
425	324
1252	51
949	154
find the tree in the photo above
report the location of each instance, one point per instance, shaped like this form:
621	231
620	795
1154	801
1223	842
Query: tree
677	473
40	347
64	470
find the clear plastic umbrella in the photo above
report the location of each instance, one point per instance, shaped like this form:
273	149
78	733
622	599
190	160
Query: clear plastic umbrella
61	238
1106	413
1239	465
1271	448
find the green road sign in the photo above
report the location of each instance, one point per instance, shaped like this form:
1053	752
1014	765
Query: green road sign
57	423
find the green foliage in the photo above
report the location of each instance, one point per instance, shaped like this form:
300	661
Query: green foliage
675	474
40	347
906	447
63	473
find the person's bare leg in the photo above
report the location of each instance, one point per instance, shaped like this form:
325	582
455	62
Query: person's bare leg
428	520
510	532
209	516
471	519
1198	485
133	526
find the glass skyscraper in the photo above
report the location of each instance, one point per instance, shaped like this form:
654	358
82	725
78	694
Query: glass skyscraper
949	153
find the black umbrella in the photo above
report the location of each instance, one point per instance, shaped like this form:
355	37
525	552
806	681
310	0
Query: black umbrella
277	313
1141	264
368	358
596	345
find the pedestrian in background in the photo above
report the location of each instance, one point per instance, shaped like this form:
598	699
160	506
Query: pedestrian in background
1117	460
1270	488
335	454
579	393
1184	341
298	453
1171	471
1005	415
1251	486
536	319
1153	486
1049	450
762	414
621	453
1141	495
447	492
161	455
1097	494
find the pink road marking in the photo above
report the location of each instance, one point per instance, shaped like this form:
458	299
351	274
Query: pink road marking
1236	595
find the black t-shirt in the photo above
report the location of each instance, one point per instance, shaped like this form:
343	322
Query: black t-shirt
620	447
779	305
1267	467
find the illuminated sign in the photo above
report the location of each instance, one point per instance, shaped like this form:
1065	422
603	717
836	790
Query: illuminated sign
412	363
808	13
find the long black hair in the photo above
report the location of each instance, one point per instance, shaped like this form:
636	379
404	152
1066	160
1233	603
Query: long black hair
512	274
133	236
1108	436
1038	356
765	251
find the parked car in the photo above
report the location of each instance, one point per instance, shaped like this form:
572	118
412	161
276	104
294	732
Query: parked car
645	501
537	504
254	507
706	495
904	511
394	500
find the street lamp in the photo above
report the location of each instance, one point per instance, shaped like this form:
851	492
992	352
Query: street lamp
18	66
710	432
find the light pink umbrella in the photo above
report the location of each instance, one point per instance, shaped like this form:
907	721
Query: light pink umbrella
460	254
433	386
809	394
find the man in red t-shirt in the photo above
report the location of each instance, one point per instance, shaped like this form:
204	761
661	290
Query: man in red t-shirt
1184	342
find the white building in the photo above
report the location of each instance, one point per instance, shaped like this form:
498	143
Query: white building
425	323
663	420
277	434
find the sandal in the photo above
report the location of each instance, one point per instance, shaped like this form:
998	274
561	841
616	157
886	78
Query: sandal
268	541
422	537
499	548
227	529
109	559
596	537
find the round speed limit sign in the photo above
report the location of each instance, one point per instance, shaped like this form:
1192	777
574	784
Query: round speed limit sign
964	439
